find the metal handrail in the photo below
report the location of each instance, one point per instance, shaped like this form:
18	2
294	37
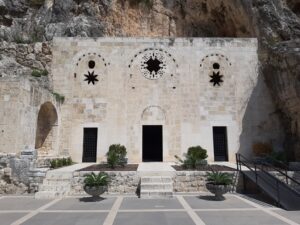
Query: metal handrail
246	163
285	173
275	168
286	177
239	161
253	170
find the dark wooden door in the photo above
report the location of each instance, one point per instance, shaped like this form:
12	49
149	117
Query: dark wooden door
90	145
220	143
152	143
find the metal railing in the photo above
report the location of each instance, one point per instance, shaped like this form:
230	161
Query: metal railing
256	168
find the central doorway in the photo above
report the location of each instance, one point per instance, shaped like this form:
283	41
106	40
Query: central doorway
152	143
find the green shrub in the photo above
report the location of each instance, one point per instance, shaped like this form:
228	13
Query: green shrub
59	97
116	155
39	73
69	161
195	156
64	162
53	164
57	163
219	178
93	180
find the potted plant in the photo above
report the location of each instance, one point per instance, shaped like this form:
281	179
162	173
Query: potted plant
96	184
218	183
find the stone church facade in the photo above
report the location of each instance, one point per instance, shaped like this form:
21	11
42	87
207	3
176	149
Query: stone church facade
155	96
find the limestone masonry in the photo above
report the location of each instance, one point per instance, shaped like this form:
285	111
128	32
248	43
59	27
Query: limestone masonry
169	94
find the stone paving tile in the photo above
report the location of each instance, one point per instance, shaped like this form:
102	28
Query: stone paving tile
153	218
239	218
21	203
137	203
208	202
67	219
292	215
84	203
8	218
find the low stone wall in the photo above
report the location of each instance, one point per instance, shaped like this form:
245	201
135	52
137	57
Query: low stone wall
9	182
194	181
21	174
128	182
122	182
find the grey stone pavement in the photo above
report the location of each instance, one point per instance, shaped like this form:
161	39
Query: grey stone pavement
129	210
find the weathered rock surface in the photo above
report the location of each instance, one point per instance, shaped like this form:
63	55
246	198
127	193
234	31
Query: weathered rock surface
276	23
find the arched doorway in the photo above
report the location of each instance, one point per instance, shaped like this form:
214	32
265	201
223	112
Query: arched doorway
46	131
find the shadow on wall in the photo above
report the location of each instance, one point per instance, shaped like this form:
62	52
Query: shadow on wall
47	119
261	121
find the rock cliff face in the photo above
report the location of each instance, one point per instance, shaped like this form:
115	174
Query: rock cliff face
275	23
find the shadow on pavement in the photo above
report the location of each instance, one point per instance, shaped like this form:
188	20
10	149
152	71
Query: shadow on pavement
210	198
91	199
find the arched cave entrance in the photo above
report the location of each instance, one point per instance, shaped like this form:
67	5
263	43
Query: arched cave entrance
46	131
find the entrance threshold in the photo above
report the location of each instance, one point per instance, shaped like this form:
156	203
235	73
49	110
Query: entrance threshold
156	169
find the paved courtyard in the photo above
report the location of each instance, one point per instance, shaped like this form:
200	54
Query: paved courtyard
130	210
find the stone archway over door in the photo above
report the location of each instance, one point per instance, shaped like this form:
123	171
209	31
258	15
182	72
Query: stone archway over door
46	131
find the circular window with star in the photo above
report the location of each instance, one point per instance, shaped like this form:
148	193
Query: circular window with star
153	65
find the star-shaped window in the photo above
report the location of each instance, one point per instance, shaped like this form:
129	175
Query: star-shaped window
153	65
91	78
216	79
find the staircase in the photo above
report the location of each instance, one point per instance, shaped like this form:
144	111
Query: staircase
55	185
57	182
282	193
156	187
156	180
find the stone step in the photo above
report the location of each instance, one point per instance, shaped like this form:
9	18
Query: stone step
59	176
156	194
54	188
56	182
157	186
48	195
156	179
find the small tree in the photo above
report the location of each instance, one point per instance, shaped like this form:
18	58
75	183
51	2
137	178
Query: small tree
195	156
116	155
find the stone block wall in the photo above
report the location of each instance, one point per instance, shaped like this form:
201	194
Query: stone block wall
18	176
122	182
182	99
128	182
194	181
20	104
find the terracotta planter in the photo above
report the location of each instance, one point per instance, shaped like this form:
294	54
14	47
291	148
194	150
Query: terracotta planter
95	191
218	190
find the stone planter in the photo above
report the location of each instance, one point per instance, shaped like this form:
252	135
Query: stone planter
95	191
218	190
